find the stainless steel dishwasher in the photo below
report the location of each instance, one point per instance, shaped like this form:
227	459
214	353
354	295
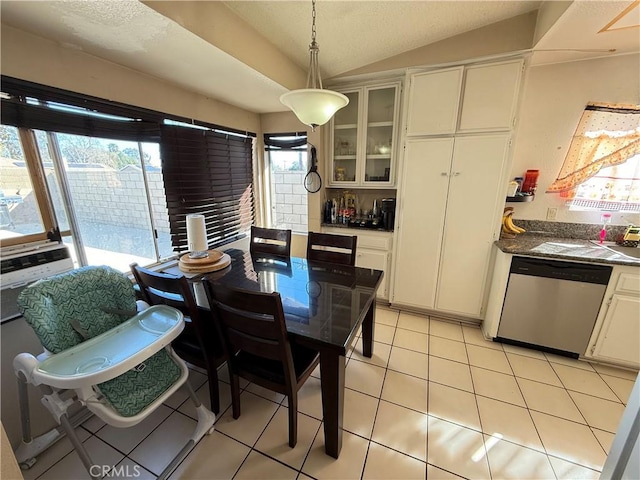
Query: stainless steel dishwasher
552	305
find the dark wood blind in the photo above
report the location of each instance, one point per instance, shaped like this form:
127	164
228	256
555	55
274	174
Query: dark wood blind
209	173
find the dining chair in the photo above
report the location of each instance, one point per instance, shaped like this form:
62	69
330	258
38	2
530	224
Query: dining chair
325	247
199	343
271	241
253	328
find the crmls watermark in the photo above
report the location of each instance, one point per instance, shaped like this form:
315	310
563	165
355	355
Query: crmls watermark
122	471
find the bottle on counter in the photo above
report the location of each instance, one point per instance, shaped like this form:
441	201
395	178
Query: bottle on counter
530	182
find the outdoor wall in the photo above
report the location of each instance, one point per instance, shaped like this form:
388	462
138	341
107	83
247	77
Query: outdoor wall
290	201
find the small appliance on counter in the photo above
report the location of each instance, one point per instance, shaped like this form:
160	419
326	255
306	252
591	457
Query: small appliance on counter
388	213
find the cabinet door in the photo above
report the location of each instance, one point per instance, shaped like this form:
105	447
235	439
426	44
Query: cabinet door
618	339
490	96
346	141
473	205
378	261
380	136
422	209
433	102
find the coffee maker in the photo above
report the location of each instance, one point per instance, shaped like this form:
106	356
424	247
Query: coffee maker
388	213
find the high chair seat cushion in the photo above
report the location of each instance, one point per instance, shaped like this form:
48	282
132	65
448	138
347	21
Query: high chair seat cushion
71	307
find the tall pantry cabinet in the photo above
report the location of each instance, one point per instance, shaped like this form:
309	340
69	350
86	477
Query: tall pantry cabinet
453	182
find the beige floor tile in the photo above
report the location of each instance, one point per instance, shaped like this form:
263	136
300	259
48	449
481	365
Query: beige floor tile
418	342
409	362
384	463
53	454
255	414
202	393
127	469
386	316
384	334
348	466
565	470
94	424
410	321
450	373
401	429
449	349
380	355
216	457
159	448
474	336
456	449
625	373
620	386
569	440
511	422
265	393
498	386
364	377
489	359
533	369
443	328
526	352
508	460
453	405
569	362
71	466
259	467
359	412
605	438
549	399
599	413
274	441
310	398
435	473
316	372
405	390
126	439
583	381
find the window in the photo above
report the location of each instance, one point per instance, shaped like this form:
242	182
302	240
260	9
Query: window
602	167
286	155
102	179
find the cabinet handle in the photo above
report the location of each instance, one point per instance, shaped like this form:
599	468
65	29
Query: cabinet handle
444	174
455	174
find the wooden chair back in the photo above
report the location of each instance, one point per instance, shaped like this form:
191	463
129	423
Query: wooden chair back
325	247
270	241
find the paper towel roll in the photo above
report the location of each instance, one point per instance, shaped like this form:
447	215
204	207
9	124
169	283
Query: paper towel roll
196	233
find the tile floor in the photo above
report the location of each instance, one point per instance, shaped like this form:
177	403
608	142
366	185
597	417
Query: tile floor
435	401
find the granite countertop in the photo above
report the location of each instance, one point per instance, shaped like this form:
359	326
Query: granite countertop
562	249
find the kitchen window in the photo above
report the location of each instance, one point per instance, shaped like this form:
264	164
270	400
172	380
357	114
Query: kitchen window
101	180
602	167
286	158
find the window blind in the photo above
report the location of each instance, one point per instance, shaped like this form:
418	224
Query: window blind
209	173
285	141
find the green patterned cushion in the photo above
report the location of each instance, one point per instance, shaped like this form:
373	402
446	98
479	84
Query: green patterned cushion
132	391
66	308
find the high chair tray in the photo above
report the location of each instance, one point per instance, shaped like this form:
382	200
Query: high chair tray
114	352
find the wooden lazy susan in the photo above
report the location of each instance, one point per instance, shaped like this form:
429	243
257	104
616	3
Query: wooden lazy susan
215	261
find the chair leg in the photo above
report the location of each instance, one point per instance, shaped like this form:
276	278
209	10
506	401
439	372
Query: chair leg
293	419
235	394
214	390
79	447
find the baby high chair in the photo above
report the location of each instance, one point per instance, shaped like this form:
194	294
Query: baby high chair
118	361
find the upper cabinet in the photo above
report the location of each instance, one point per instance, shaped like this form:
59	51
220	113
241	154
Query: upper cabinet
478	98
363	138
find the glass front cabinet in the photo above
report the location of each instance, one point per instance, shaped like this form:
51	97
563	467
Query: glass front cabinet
364	137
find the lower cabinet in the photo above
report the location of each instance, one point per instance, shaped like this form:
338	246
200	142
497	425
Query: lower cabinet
616	335
373	251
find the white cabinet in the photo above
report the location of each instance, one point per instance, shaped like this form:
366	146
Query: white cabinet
373	251
490	96
616	335
433	102
363	138
444	241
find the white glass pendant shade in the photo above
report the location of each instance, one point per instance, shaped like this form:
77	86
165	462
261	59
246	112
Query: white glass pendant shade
314	106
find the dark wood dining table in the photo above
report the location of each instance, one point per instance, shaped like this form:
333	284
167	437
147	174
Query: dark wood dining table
324	304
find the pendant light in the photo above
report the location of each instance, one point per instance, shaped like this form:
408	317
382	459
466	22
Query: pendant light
313	105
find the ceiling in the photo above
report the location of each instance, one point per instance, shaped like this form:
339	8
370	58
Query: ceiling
351	35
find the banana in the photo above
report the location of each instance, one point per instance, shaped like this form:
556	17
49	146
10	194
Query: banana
507	221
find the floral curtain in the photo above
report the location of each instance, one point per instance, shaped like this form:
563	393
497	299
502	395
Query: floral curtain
607	135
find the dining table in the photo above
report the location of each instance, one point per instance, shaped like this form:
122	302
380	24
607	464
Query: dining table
324	304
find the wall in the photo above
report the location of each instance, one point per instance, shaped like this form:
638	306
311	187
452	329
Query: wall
553	100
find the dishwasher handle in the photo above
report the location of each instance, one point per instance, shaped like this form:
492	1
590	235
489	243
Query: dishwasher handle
572	271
